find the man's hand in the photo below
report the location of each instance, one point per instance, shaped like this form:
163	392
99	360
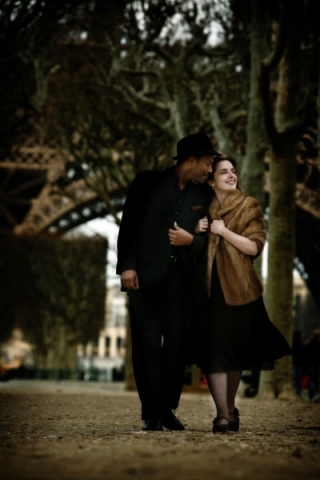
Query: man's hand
129	279
179	237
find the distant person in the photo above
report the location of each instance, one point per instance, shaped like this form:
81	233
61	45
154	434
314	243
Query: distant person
297	361
157	248
238	334
312	347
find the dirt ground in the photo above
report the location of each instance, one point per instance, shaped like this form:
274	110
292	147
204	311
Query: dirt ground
76	431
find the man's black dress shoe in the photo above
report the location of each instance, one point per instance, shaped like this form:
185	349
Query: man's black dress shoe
171	422
152	424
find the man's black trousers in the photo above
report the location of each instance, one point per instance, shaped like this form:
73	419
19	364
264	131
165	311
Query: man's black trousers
160	321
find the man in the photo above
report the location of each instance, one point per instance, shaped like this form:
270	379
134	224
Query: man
157	248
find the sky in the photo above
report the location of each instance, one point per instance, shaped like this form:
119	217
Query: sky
108	229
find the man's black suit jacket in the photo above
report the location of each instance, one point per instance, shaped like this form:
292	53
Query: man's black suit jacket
143	241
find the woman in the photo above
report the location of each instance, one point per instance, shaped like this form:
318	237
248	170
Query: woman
238	334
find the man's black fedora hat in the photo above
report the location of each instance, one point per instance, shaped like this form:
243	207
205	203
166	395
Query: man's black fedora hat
194	144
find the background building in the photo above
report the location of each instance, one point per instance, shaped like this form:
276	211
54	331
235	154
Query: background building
103	359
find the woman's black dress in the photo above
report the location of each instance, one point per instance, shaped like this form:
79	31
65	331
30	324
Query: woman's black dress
238	337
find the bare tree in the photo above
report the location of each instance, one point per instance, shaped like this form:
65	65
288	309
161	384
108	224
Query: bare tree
285	123
131	96
66	304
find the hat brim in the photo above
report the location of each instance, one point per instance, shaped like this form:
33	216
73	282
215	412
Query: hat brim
213	152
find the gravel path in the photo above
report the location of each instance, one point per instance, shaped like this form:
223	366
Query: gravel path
76	431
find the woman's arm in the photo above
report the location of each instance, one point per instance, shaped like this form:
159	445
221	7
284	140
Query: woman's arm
245	245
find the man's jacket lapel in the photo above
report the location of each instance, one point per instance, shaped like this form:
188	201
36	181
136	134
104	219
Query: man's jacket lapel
189	201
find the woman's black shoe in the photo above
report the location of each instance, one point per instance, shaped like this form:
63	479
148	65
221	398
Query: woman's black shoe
234	424
218	427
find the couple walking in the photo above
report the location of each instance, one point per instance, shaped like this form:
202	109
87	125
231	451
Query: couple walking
189	233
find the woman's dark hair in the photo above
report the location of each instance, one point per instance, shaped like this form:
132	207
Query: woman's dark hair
219	158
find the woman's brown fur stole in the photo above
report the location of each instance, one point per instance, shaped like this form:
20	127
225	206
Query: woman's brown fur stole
243	215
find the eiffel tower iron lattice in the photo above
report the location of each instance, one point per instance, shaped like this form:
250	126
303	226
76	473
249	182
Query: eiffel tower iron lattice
30	201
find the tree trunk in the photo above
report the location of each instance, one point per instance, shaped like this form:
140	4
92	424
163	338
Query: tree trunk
284	131
130	384
279	298
59	361
252	169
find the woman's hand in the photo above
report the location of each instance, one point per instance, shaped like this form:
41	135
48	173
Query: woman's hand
245	245
202	225
217	227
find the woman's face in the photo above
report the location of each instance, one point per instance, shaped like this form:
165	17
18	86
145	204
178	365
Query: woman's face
224	178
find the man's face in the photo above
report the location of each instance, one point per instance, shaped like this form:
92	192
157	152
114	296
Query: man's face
200	169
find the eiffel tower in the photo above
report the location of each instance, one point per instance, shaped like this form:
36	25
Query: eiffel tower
31	204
